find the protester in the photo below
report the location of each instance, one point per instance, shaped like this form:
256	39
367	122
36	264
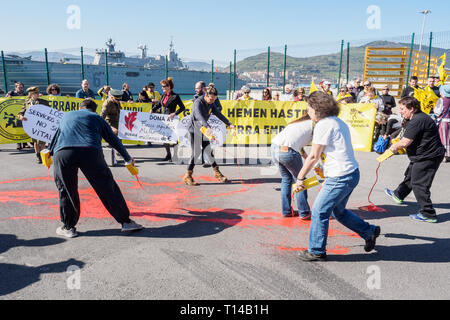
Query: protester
111	109
363	93
431	83
437	84
372	97
288	93
201	111
267	94
302	94
19	90
409	90
425	152
350	90
168	103
77	144
246	94
33	99
332	137
127	96
143	97
392	127
299	94
285	153
357	88
388	101
239	93
152	94
276	96
344	96
327	87
85	92
53	90
442	111
103	92
200	90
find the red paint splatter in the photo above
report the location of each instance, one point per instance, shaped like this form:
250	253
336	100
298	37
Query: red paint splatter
163	207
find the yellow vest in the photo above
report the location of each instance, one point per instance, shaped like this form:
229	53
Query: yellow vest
155	96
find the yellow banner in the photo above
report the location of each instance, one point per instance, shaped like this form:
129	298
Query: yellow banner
256	122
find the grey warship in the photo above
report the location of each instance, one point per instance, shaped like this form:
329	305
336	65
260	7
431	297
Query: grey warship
136	71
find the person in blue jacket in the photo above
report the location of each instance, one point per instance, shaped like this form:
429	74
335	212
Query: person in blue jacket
77	144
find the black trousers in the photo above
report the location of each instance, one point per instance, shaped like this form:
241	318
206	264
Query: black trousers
92	164
200	147
418	178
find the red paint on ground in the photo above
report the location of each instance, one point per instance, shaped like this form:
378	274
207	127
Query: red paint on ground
164	207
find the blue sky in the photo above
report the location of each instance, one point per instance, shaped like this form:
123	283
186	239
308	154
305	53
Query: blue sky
209	29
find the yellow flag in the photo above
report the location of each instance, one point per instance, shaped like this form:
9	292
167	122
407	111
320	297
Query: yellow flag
313	87
442	73
431	100
427	99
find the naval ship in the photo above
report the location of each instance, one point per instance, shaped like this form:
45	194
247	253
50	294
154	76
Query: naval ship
136	71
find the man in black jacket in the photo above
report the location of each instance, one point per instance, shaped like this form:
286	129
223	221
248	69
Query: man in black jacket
409	90
388	100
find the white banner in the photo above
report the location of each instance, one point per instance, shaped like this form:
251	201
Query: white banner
42	122
218	128
144	126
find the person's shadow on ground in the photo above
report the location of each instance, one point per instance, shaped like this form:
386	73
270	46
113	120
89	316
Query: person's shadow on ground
14	277
197	224
436	251
401	211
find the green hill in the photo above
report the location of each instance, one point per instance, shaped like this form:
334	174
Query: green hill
321	66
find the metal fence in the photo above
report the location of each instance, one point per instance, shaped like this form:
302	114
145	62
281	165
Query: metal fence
338	62
275	66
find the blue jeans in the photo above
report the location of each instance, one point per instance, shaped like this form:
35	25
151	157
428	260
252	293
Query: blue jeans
290	163
332	199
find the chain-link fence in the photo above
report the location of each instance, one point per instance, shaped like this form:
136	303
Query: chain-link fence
338	61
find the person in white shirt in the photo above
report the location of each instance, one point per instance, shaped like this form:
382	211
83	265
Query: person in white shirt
332	138
286	154
372	97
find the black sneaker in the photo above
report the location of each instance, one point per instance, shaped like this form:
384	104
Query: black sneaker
370	244
308	256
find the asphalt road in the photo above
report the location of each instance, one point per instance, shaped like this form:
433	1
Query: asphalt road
214	241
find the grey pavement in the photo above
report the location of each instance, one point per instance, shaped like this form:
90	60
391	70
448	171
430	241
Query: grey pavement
213	241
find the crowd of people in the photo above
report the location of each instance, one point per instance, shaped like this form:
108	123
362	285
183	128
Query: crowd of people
77	145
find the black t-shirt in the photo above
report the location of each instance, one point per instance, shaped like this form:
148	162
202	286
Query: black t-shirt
427	143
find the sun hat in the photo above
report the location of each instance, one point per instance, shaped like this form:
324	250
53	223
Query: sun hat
445	90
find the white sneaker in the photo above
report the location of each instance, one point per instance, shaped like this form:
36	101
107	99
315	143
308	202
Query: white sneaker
132	226
72	233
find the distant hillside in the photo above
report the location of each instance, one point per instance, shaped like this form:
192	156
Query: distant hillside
322	66
198	66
